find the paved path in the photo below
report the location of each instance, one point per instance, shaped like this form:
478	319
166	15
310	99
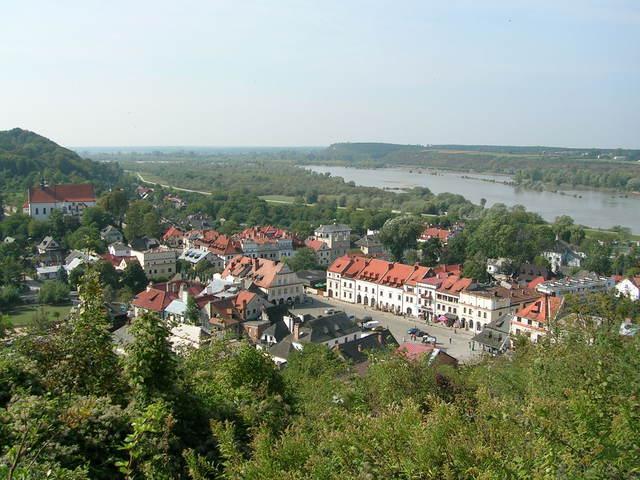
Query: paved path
456	343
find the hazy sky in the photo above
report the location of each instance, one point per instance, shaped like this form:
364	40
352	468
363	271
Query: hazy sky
278	72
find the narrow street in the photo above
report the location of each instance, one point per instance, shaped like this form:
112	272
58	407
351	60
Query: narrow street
455	342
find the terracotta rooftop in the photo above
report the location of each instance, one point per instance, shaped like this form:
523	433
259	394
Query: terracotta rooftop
80	192
340	264
538	310
455	284
397	274
172	232
154	300
375	270
316	245
263	272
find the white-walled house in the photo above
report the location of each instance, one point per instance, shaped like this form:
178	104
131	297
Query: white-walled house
276	280
158	262
70	199
629	287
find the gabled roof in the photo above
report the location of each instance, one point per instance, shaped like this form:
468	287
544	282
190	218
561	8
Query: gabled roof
340	264
336	227
413	351
374	271
454	269
435	232
48	243
454	284
419	275
316	245
356	350
264	232
397	274
635	281
323	329
538	310
277	330
80	192
242	297
283	348
368	241
261	271
172	232
154	300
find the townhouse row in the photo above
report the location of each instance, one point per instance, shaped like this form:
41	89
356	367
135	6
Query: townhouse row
432	294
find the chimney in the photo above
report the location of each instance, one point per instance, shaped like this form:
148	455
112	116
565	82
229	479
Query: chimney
379	337
184	294
296	330
547	314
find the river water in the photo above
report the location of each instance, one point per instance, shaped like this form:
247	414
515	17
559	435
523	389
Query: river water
587	207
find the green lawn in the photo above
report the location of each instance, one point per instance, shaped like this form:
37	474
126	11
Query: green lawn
23	314
278	198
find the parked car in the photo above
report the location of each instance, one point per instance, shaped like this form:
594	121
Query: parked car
329	311
370	325
416	331
426	338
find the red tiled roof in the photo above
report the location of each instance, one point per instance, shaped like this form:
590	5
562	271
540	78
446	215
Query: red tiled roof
262	271
80	192
356	265
374	271
455	269
115	260
172	232
538	310
154	300
535	282
455	284
243	296
413	351
263	232
435	232
397	274
316	244
340	264
420	274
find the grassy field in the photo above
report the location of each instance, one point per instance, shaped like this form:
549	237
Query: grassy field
23	315
278	198
609	234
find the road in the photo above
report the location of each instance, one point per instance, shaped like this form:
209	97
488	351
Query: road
456	343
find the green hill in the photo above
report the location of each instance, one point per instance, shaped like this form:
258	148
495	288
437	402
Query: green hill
25	157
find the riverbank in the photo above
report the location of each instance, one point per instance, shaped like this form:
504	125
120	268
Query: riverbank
594	208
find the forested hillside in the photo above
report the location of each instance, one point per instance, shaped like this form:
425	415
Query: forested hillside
25	157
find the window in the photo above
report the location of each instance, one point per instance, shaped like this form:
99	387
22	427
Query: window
44	210
37	211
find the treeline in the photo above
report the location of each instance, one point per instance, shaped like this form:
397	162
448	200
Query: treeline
302	186
70	408
530	166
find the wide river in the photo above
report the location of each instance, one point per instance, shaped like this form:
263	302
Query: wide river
587	207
